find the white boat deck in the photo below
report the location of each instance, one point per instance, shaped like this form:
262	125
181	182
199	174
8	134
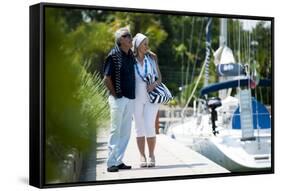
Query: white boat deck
172	159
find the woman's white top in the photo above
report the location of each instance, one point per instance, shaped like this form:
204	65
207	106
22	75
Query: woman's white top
148	67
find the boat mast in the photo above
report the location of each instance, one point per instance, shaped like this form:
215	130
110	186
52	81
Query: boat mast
223	32
223	43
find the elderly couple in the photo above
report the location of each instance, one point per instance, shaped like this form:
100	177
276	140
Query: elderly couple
127	64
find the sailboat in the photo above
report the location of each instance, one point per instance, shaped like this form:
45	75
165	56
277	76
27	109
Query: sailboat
233	131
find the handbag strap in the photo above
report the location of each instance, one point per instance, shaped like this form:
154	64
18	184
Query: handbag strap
145	71
152	64
148	78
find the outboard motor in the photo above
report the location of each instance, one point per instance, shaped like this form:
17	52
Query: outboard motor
213	103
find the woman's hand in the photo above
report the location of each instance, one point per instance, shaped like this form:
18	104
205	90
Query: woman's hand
151	87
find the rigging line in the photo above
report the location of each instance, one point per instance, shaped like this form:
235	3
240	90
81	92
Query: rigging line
238	55
239	39
206	62
233	39
236	39
198	48
193	91
182	55
237	36
246	48
268	61
228	34
246	58
208	50
241	44
245	52
190	47
249	54
257	64
243	49
255	76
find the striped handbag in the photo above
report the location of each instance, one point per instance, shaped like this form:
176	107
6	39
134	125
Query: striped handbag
160	94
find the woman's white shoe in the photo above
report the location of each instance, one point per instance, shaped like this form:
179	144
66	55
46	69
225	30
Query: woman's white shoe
151	162
143	162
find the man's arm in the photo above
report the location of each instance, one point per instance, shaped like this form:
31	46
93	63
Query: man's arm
108	83
107	76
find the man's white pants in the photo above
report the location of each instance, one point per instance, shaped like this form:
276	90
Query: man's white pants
121	110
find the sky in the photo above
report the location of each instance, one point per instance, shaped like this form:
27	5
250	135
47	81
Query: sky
250	24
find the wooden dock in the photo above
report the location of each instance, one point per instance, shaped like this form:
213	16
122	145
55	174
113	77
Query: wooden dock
172	159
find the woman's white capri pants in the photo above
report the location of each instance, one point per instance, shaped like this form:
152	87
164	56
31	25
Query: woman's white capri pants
145	115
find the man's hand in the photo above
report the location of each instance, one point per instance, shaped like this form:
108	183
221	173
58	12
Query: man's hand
153	55
108	83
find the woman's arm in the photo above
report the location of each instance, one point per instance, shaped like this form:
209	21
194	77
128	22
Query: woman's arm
159	80
155	58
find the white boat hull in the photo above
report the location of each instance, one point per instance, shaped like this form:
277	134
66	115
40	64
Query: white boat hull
226	149
231	160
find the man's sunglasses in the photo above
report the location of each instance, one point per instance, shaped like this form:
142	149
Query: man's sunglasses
127	35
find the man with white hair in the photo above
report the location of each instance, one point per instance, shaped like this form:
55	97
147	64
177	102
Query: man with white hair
119	78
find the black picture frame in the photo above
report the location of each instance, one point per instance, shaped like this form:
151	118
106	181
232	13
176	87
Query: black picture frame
37	164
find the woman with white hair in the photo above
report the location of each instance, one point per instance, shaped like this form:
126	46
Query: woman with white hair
145	112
